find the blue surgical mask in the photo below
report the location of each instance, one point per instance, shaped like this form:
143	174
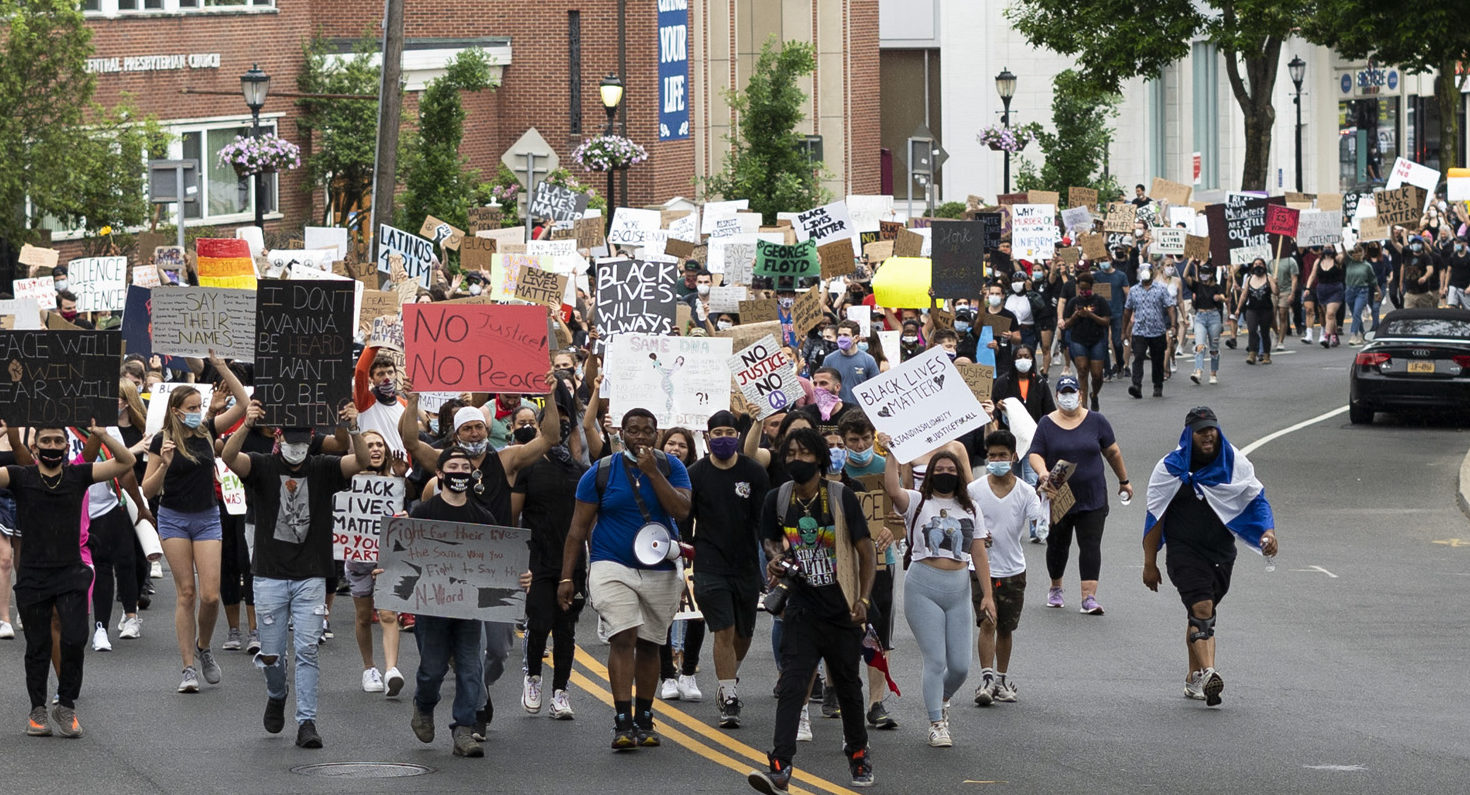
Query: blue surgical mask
193	418
998	468
863	346
860	458
1107	265
839	459
962	326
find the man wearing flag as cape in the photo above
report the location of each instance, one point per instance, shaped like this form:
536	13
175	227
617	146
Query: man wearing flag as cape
1204	492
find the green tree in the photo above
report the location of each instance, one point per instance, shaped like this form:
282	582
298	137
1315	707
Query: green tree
66	157
1114	40
437	179
766	162
343	131
1074	154
1419	37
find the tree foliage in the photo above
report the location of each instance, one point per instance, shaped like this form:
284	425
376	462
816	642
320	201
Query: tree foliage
437	179
65	156
1075	152
767	163
344	131
1114	40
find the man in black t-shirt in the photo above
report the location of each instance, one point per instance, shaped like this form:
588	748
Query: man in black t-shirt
50	575
728	491
827	408
292	494
818	527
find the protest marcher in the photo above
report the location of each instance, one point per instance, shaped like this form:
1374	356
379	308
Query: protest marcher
1201	497
829	406
1087	319
1456	283
1209	307
1327	279
815	527
1010	509
111	538
1083	438
1148	315
1021	303
1287	275
685	635
853	366
1112	273
375	394
622	493
1025	386
1257	302
1003	342
359	575
292	491
181	469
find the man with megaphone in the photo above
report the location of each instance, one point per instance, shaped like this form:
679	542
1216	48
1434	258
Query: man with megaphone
629	504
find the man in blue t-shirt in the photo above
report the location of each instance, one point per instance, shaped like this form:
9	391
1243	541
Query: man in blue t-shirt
616	498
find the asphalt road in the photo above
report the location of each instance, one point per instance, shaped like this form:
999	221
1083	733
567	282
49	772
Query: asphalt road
1343	668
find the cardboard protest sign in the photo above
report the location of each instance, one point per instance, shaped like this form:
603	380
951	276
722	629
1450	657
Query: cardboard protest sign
1062	503
1043	197
1373	228
876	504
682	380
387	333
476	348
908	244
958	253
635	296
632	227
836	259
41	289
1196	247
303	351
1102	290
192	321
59	378
1081	197
1069	255
357	512
1175	193
758	310
1281	220
878	250
475	253
796	261
766	377
224	262
1120	217
921	404
979	378
825	224
889	230
441	233
375	304
1007	199
540	287
678	249
1319	228
417	253
482	218
590	233
1169	240
1400	206
808	311
1329	201
145	276
1033	231
38	260
451	570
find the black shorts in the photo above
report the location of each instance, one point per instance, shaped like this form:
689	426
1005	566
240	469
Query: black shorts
1009	594
882	599
1196	578
727	601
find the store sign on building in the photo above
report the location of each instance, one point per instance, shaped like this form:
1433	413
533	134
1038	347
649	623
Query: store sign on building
154	63
1369	82
673	70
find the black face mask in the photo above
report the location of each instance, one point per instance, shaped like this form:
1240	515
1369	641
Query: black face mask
524	434
945	482
1259	270
458	482
50	457
386	393
801	471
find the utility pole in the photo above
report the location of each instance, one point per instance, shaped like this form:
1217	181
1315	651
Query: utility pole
390	109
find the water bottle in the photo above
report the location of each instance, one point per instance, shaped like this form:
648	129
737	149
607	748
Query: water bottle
1270	563
1124	497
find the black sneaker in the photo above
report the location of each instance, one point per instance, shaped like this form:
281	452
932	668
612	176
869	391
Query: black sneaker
625	737
1125	372
1230	343
1094	403
306	736
275	715
771	782
830	707
861	766
483	719
879	718
647	735
1158	391
730	713
422	724
1135	392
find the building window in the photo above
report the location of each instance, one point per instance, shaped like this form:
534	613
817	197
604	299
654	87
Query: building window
1367	141
574	71
109	8
1158	129
223	196
1205	61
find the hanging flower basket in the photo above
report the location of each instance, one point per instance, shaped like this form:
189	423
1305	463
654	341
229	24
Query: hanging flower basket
1006	139
608	153
263	155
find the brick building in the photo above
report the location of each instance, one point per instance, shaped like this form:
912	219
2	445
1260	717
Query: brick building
550	56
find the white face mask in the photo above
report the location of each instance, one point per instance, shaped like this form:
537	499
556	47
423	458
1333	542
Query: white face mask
724	325
475	288
1068	401
1144	275
294	453
993	300
1023	365
1018	287
703	289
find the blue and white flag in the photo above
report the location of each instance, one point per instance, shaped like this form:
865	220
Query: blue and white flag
1228	484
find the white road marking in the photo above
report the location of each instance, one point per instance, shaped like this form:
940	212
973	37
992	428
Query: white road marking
1338	768
1256	445
1319	570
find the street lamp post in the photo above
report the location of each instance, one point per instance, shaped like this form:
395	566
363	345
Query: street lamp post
255	84
1297	68
611	90
1005	85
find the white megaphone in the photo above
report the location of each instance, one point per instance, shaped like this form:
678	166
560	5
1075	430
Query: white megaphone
654	544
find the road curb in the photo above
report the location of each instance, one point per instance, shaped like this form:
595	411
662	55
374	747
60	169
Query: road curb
1463	497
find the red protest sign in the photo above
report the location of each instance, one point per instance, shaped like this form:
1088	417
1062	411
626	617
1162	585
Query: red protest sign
1281	220
476	348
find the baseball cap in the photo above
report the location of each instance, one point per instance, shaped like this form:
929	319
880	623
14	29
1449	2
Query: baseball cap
1201	417
295	435
1067	383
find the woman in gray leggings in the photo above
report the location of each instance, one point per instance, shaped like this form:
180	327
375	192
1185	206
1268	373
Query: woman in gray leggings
946	533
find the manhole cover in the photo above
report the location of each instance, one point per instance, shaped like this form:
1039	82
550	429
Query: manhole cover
362	770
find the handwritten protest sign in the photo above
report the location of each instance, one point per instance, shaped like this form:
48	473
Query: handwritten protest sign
723	298
682	380
1238	229
190	321
145	276
1407	172
476	348
158	402
100	283
635	296
632	227
441	233
327	237
387	333
1033	231
59	378
1120	217
776	260
224	262
557	202
979	378
540	287
921	404
303	351
908	244
42	290
417	253
1169	240
484	218
825	224
357	512
38	260
875	501
451	570
1077	218
766	377
1399	206
1196	247
1175	193
20	314
1319	228
1081	197
957	261
300	263
1281	220
758	310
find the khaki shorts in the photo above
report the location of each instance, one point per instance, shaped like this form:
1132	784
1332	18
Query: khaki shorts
1283	299
626	598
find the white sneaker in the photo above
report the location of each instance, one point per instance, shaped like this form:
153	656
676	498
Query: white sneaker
372	681
99	639
1214	379
985	693
392	683
939	735
531	694
131	628
1005	690
804	727
561	706
155	571
1195	687
7	631
688	689
669	690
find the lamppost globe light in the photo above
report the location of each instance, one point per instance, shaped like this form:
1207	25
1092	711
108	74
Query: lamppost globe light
1005	85
611	90
255	84
1298	70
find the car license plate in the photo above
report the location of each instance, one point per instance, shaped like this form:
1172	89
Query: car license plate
1421	367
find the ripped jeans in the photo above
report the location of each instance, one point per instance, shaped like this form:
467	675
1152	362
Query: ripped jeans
304	604
1207	338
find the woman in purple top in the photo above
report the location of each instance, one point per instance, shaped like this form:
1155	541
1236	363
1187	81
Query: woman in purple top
1084	438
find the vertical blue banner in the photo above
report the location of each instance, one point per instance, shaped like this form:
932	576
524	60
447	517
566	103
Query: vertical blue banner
673	70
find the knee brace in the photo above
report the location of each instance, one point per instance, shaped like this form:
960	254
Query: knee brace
1204	628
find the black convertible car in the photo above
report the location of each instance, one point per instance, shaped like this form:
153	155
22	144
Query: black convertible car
1419	360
